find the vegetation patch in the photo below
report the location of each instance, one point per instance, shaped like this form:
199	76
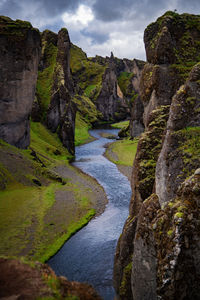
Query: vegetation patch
189	144
39	208
121	125
81	131
45	77
124	150
87	73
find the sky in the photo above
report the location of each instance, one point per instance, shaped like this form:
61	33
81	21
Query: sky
98	26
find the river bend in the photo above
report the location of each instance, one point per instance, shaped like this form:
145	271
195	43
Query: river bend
88	256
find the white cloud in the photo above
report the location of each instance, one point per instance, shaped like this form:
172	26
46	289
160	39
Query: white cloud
79	19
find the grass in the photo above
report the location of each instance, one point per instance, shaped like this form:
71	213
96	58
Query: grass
47	145
71	230
81	131
34	220
125	150
21	209
87	73
120	125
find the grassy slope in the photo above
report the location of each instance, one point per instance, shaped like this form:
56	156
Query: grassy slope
88	76
120	125
124	152
28	224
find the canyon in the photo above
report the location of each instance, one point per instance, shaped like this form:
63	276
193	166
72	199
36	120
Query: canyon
52	92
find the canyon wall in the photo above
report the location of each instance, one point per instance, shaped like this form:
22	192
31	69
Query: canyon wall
157	253
55	88
19	58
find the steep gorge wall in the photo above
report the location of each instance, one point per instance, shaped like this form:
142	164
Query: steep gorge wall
19	58
54	104
157	239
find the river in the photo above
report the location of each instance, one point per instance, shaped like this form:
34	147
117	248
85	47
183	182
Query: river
88	256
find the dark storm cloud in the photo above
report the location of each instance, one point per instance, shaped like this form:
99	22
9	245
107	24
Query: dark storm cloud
50	7
110	10
9	7
113	10
96	37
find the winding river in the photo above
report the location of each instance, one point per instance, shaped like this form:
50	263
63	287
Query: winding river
88	256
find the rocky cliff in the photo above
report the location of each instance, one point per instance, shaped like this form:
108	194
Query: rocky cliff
157	242
54	102
19	57
110	83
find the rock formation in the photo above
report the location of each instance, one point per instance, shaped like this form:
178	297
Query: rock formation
32	280
108	101
158	251
54	104
110	83
19	57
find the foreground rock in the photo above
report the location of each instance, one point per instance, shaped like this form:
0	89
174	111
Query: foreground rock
19	57
33	280
158	252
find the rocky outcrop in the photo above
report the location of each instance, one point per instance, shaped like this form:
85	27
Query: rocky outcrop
54	104
180	152
108	102
136	126
19	57
155	242
61	112
32	280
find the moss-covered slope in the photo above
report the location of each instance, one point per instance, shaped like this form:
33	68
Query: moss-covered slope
38	190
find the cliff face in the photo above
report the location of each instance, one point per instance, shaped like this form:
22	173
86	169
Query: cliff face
19	57
110	83
157	239
55	87
109	102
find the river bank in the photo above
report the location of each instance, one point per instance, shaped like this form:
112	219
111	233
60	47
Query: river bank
88	255
122	153
44	202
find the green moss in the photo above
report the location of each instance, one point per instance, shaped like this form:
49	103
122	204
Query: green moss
125	279
179	215
89	90
124	81
88	74
45	77
189	145
150	144
170	232
120	125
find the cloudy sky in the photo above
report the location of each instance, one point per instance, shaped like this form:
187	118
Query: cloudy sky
98	26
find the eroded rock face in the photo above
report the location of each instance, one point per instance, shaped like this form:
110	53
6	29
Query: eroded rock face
55	87
179	156
173	38
108	102
61	112
153	242
136	121
33	280
19	57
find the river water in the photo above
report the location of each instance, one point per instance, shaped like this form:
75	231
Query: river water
88	256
